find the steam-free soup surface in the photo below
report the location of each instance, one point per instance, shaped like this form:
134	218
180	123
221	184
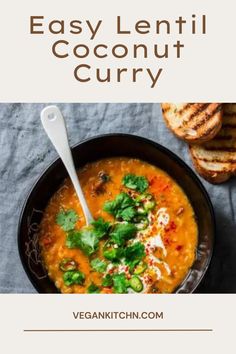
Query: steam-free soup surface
143	239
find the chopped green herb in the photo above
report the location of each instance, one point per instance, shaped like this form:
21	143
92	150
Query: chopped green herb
138	183
93	289
101	227
72	240
67	219
122	201
113	254
137	250
134	254
85	239
120	283
110	254
98	265
67	264
107	281
73	277
123	232
123	207
126	214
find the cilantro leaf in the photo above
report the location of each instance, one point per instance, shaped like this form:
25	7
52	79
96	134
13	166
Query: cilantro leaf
134	254
138	183
120	283
113	254
126	214
107	281
137	250
93	289
72	240
122	201
67	219
123	232
85	239
72	277
101	227
98	265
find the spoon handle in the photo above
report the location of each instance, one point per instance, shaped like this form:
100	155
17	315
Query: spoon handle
54	125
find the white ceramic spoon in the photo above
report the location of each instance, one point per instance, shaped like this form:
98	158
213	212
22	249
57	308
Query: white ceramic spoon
55	127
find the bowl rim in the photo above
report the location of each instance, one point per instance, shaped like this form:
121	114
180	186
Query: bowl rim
157	146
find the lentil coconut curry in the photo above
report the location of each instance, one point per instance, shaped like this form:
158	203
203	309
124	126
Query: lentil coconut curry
142	240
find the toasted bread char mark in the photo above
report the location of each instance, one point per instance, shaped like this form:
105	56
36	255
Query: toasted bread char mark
208	131
199	108
220	148
215	160
193	122
168	107
206	117
184	108
229	108
176	109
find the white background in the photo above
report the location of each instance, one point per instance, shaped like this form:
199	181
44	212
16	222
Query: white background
19	312
30	73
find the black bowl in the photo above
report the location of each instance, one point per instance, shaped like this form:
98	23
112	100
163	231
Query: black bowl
107	146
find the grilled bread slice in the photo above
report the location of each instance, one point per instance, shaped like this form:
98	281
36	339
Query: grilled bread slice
193	122
216	160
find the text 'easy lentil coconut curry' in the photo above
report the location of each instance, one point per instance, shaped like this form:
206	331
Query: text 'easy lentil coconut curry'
143	238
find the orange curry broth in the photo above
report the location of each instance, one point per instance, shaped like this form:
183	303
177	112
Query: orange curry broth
179	236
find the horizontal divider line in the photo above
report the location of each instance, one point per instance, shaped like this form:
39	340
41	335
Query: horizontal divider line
124	330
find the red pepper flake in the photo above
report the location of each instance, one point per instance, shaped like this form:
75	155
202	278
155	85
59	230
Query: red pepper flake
167	241
148	279
151	262
179	247
171	227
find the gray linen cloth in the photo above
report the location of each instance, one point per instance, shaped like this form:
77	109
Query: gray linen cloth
26	152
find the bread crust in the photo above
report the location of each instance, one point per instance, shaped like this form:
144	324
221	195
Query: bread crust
211	176
200	137
215	160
